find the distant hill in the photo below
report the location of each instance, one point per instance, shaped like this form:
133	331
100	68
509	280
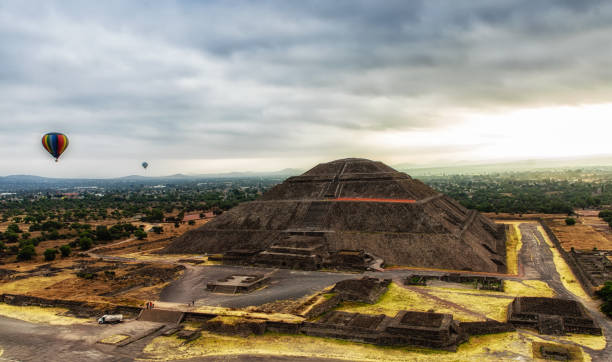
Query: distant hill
466	168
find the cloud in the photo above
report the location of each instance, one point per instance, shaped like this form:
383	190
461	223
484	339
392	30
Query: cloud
273	79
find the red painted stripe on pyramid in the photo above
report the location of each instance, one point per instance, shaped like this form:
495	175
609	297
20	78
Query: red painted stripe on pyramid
366	199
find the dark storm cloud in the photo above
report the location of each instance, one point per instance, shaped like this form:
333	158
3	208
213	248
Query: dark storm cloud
214	79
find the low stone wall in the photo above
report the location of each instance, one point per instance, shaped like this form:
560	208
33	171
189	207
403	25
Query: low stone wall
235	326
323	307
488	327
78	308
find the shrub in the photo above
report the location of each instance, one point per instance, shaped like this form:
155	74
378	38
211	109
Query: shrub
27	252
570	221
140	234
50	254
605	294
158	229
191	222
85	243
14	228
65	250
11	237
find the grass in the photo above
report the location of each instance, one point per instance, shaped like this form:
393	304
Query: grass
27	285
114	339
489	306
513	246
528	288
497	347
398	298
39	315
246	314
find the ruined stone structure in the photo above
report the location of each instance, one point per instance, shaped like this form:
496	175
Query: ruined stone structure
595	265
478	282
234	284
551	316
432	330
365	290
351	213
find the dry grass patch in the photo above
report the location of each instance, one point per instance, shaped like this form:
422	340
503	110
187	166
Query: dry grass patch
513	246
40	315
114	339
397	298
528	288
28	285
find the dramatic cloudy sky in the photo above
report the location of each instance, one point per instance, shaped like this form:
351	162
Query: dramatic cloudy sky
210	86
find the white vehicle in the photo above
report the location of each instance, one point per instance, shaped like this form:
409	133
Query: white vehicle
110	318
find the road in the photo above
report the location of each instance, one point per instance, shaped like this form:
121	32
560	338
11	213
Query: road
536	259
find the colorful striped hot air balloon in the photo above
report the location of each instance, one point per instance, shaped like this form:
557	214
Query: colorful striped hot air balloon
55	143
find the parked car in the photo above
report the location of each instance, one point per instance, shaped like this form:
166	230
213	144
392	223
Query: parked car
110	318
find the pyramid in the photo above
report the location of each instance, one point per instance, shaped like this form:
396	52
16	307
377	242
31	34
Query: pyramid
351	212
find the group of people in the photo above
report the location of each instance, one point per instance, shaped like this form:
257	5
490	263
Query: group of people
149	305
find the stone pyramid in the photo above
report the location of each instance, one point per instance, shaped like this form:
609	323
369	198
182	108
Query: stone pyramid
348	211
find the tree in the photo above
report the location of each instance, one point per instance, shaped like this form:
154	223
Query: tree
65	250
158	229
191	222
14	228
605	294
2	247
27	252
11	237
140	234
85	243
103	234
50	254
570	221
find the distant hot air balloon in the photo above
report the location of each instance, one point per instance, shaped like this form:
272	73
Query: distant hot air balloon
55	143
145	165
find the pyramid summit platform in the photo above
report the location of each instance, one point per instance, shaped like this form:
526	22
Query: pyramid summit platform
351	214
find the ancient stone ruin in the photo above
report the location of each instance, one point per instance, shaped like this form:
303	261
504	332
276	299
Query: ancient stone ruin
476	282
351	214
238	284
551	316
595	264
432	330
364	290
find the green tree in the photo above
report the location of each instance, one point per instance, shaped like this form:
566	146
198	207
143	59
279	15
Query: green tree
158	229
50	254
85	243
65	250
570	221
27	252
14	228
103	234
140	234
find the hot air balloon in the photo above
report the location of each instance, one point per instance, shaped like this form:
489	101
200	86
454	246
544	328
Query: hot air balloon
55	143
145	165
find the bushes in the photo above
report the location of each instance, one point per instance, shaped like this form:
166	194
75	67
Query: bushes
570	221
158	229
85	243
65	250
140	234
27	252
605	294
50	254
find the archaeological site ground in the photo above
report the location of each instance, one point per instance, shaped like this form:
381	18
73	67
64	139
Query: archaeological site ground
351	260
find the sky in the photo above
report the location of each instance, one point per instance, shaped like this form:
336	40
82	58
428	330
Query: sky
212	86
